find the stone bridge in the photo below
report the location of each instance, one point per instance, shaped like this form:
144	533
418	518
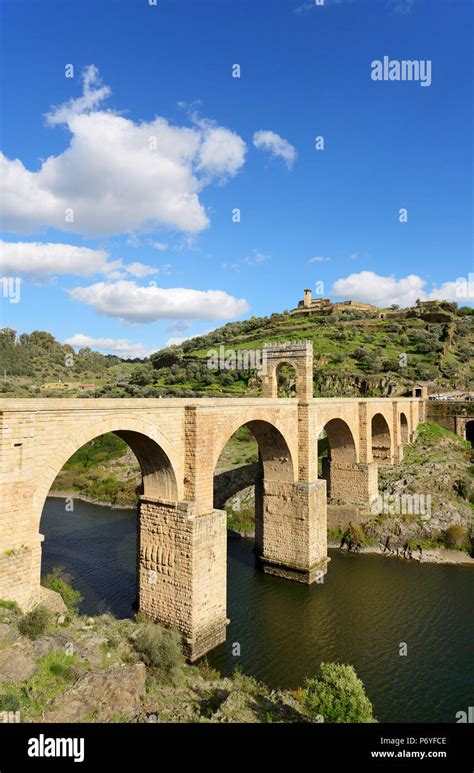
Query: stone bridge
178	441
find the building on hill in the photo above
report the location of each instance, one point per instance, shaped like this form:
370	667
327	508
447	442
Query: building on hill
325	306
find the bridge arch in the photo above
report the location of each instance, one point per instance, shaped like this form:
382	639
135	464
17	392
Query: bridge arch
155	454
341	443
337	468
404	429
381	440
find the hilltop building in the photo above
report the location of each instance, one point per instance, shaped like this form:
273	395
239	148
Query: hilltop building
325	306
429	311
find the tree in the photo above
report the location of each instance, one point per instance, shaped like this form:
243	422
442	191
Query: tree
337	695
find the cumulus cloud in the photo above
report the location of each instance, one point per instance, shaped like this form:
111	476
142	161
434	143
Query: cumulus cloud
116	175
369	287
277	146
130	302
121	347
40	261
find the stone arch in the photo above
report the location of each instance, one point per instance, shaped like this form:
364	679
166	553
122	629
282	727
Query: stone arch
297	355
341	441
274	495
154	454
274	451
381	440
291	386
404	430
339	465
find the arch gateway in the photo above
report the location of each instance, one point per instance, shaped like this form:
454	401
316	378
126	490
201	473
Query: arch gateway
182	537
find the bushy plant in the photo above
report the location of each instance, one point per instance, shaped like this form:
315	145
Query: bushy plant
456	537
337	695
35	623
159	648
59	581
9	700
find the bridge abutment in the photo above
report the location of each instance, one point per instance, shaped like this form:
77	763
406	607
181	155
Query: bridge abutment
182	571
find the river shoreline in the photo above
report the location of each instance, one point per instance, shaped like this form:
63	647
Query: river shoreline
429	556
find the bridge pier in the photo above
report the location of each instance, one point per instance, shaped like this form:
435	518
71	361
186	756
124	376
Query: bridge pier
182	571
351	483
291	534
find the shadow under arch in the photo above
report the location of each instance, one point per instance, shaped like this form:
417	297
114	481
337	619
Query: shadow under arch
339	454
404	431
470	432
381	440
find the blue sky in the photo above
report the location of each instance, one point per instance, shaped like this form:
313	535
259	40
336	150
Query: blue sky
121	181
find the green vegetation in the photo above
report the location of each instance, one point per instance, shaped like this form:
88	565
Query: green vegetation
55	672
456	537
159	648
337	695
11	605
35	623
102	449
60	582
350	348
97	678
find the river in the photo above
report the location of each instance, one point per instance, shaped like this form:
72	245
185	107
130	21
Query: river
367	606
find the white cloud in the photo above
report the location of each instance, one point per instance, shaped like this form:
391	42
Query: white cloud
277	146
93	93
130	302
370	287
119	176
139	270
121	347
318	259
41	260
161	246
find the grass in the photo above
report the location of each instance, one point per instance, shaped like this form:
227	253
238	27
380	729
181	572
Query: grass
55	673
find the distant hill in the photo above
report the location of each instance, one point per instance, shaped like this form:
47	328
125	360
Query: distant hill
355	354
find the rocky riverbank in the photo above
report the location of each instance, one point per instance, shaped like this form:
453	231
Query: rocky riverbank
57	666
423	556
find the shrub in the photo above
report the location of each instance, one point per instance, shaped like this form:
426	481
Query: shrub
59	581
9	700
462	487
337	695
354	536
35	623
159	648
455	536
11	605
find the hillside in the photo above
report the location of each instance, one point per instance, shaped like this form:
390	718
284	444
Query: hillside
355	354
